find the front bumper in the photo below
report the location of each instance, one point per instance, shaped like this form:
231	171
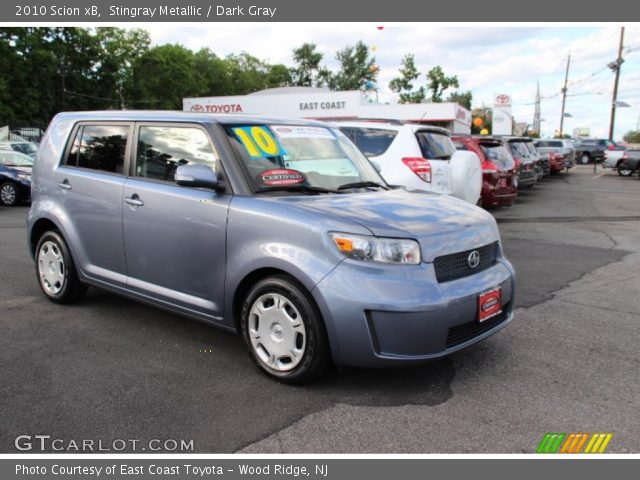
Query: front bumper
386	315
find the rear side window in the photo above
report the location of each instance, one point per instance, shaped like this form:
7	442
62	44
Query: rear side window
373	142
162	149
435	145
99	147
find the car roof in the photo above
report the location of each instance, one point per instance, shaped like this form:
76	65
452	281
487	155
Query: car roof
478	138
514	138
390	124
179	116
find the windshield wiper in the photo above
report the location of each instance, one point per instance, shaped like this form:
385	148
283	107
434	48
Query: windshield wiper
296	188
442	157
362	185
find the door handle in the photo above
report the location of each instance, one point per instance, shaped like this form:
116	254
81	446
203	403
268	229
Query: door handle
65	185
134	200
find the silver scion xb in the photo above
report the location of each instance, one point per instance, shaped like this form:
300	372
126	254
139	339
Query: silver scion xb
277	229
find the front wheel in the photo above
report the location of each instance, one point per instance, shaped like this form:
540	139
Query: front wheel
55	270
584	159
9	194
283	330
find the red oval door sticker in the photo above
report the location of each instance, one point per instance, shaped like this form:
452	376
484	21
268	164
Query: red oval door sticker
280	176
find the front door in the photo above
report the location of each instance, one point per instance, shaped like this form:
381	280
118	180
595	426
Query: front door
175	237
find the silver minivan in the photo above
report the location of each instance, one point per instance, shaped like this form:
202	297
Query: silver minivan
280	230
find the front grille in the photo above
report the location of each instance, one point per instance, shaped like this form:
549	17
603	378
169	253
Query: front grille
467	331
456	265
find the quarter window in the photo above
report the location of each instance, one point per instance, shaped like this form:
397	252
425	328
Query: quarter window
161	150
99	147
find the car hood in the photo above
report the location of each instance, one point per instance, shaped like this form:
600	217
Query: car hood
442	224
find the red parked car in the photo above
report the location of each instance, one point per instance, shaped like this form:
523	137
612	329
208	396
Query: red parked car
499	180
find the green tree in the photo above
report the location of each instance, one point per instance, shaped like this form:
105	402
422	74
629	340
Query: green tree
163	76
307	71
404	84
632	136
357	67
118	49
438	82
463	99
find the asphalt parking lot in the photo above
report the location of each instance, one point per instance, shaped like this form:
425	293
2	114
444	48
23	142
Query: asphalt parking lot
111	368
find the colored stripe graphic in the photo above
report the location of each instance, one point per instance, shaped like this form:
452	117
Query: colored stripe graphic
574	443
598	443
554	442
551	442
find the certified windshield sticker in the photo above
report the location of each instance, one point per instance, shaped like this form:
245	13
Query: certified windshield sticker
280	177
296	131
259	142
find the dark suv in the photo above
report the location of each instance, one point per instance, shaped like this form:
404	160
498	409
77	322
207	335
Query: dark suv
499	181
526	161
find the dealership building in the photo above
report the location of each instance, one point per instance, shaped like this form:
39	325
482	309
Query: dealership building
323	104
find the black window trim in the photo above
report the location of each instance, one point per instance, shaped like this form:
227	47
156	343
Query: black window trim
93	123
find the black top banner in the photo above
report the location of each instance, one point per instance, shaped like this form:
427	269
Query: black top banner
93	11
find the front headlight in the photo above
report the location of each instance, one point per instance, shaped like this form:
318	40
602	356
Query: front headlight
375	249
24	177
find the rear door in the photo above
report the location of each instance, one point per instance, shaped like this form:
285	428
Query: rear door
90	180
175	237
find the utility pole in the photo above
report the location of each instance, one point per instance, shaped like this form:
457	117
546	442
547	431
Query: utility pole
63	70
615	66
564	93
536	113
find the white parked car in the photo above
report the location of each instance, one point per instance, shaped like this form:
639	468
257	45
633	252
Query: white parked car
613	157
417	156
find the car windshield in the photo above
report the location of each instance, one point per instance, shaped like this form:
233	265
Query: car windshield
26	148
498	155
435	145
15	159
294	157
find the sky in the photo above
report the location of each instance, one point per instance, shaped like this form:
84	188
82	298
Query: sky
487	60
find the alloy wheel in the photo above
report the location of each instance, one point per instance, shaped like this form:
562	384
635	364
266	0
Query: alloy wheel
8	194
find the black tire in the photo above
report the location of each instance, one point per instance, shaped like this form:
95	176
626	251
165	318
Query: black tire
585	158
72	289
10	194
624	171
316	358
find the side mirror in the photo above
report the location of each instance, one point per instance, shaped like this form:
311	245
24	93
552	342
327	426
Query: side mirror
376	165
200	176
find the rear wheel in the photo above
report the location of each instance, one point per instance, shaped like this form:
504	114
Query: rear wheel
9	194
56	273
284	331
624	171
585	158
